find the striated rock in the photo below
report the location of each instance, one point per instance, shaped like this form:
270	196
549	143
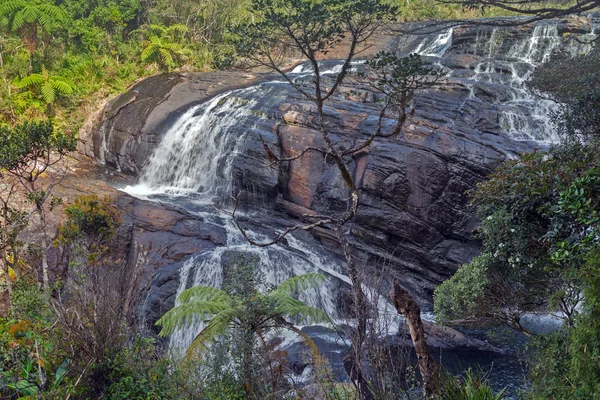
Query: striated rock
414	217
133	123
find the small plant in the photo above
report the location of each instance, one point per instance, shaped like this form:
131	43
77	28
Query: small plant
472	386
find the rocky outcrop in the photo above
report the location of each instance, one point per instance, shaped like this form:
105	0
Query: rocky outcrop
414	220
152	240
132	124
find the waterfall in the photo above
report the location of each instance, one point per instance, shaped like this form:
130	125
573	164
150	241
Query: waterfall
277	263
435	46
195	154
192	167
522	115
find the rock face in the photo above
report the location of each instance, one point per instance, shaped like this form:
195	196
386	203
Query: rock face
133	123
414	222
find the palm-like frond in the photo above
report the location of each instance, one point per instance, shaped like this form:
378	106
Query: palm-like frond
157	29
296	311
9	6
18	21
31	80
204	293
48	92
61	85
166	57
184	314
300	283
216	327
177	28
23	12
149	51
51	11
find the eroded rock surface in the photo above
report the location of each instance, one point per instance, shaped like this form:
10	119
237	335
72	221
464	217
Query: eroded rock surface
414	220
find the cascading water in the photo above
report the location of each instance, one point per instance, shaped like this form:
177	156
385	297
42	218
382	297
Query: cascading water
192	167
435	46
522	115
194	154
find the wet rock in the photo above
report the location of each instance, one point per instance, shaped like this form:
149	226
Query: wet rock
414	216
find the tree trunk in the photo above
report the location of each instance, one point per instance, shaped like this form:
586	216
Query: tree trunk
406	306
7	276
353	361
45	277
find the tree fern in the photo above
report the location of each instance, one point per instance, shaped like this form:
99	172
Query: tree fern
50	85
162	45
31	80
217	326
300	283
226	310
184	314
18	13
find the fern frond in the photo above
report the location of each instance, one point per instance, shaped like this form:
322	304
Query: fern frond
166	56
216	327
30	14
149	51
18	21
9	6
297	311
177	28
300	283
31	80
48	92
184	314
155	40
174	47
204	293
156	29
52	11
61	85
45	20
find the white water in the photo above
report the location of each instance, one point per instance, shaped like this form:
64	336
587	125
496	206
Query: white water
437	46
523	116
194	159
195	154
277	263
192	164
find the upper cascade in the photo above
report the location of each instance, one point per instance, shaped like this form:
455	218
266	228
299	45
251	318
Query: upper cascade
496	62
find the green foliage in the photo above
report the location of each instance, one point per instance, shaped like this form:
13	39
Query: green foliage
163	46
533	213
15	14
575	82
462	297
239	318
49	85
31	142
89	227
473	386
90	216
240	305
309	27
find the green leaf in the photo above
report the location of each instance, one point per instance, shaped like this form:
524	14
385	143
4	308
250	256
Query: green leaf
149	51
31	80
216	327
61	85
48	92
300	283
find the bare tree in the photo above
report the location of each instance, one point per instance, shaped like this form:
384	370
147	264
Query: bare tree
537	9
311	29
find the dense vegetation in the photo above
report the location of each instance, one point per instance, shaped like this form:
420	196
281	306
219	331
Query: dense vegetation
541	250
61	58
